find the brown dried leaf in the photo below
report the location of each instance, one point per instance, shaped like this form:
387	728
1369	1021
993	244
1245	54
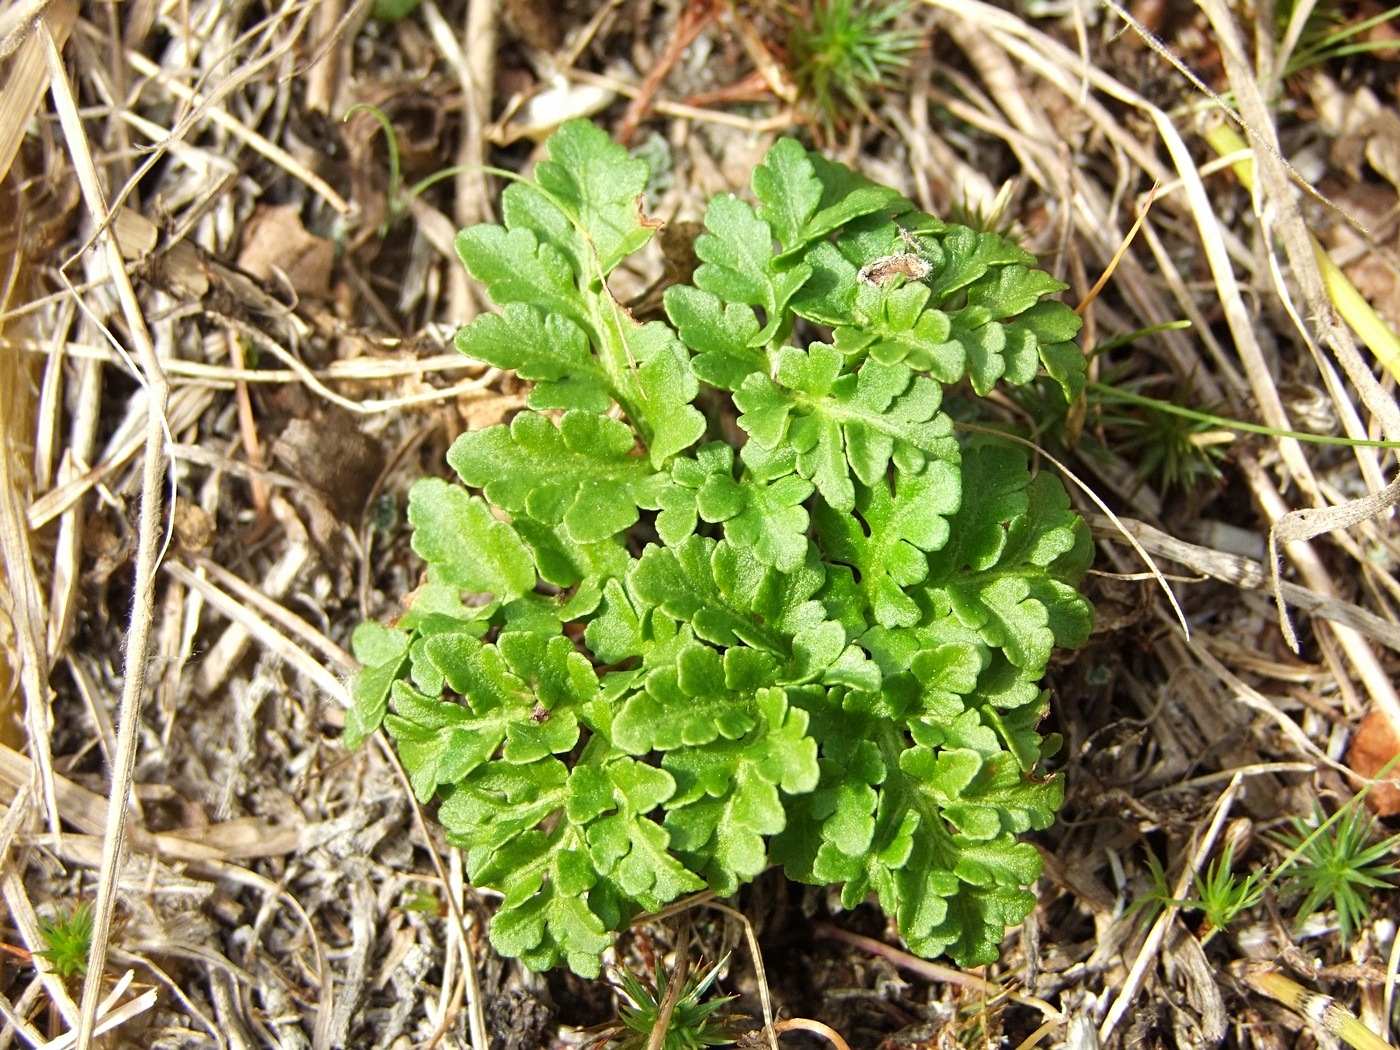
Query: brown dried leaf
276	243
1375	745
334	457
194	528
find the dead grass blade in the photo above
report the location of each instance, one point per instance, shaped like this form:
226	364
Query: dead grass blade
22	50
148	543
1147	956
107	1021
202	105
1248	575
21	594
1320	1011
252	626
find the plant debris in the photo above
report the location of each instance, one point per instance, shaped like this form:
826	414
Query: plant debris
225	325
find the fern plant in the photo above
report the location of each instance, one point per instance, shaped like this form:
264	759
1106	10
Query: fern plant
645	661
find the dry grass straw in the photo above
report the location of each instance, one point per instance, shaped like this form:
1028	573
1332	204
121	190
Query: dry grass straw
39	631
23	687
149	536
234	669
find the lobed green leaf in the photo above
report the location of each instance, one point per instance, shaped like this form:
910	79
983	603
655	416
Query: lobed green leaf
516	267
382	652
581	473
739	263
601	188
824	651
727	794
547	348
842	424
464	544
888	536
